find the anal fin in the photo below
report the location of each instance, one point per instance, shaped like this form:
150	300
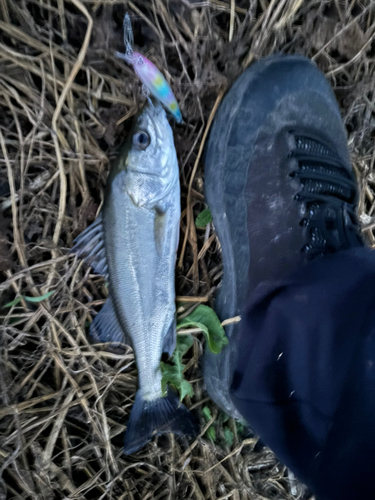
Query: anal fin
106	327
89	245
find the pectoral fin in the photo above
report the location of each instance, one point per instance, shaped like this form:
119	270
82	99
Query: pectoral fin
106	327
89	245
159	232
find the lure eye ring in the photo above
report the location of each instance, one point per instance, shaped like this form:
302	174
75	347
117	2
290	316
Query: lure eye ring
141	140
140	60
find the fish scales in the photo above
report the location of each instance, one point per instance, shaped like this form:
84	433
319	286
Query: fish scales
142	277
133	243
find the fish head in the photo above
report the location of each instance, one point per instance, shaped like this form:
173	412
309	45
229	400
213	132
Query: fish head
150	166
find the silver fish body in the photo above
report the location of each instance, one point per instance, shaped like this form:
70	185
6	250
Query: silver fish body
141	218
134	242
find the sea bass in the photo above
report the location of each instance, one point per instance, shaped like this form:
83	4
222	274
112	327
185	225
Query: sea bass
133	243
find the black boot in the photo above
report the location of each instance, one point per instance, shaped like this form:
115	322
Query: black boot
279	185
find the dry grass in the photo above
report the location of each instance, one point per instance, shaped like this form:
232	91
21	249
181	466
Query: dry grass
66	104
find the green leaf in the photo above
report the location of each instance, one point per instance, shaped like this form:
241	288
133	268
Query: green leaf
203	218
14	302
173	371
204	318
228	435
225	417
186	389
241	427
39	299
207	413
29	299
211	433
183	344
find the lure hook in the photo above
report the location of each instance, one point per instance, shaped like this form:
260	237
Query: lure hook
146	94
128	35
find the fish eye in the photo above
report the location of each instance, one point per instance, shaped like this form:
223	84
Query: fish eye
140	61
141	140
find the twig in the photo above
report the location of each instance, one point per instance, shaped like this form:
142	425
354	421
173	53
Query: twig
231	22
200	151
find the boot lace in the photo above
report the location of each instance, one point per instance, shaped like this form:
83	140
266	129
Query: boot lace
328	191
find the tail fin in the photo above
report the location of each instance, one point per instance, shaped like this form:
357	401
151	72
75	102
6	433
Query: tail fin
149	418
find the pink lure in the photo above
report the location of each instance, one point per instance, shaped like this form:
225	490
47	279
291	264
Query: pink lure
148	73
153	79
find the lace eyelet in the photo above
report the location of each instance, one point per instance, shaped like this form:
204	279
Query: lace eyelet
306	248
328	191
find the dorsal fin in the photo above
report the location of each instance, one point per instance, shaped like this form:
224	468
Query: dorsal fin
89	245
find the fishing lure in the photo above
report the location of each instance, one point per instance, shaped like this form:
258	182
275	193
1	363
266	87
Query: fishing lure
150	76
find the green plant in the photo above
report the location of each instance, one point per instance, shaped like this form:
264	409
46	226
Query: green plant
29	299
203	218
204	318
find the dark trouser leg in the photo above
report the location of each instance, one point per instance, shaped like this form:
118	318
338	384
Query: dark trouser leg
305	375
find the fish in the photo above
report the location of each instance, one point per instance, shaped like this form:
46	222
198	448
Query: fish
133	243
151	77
